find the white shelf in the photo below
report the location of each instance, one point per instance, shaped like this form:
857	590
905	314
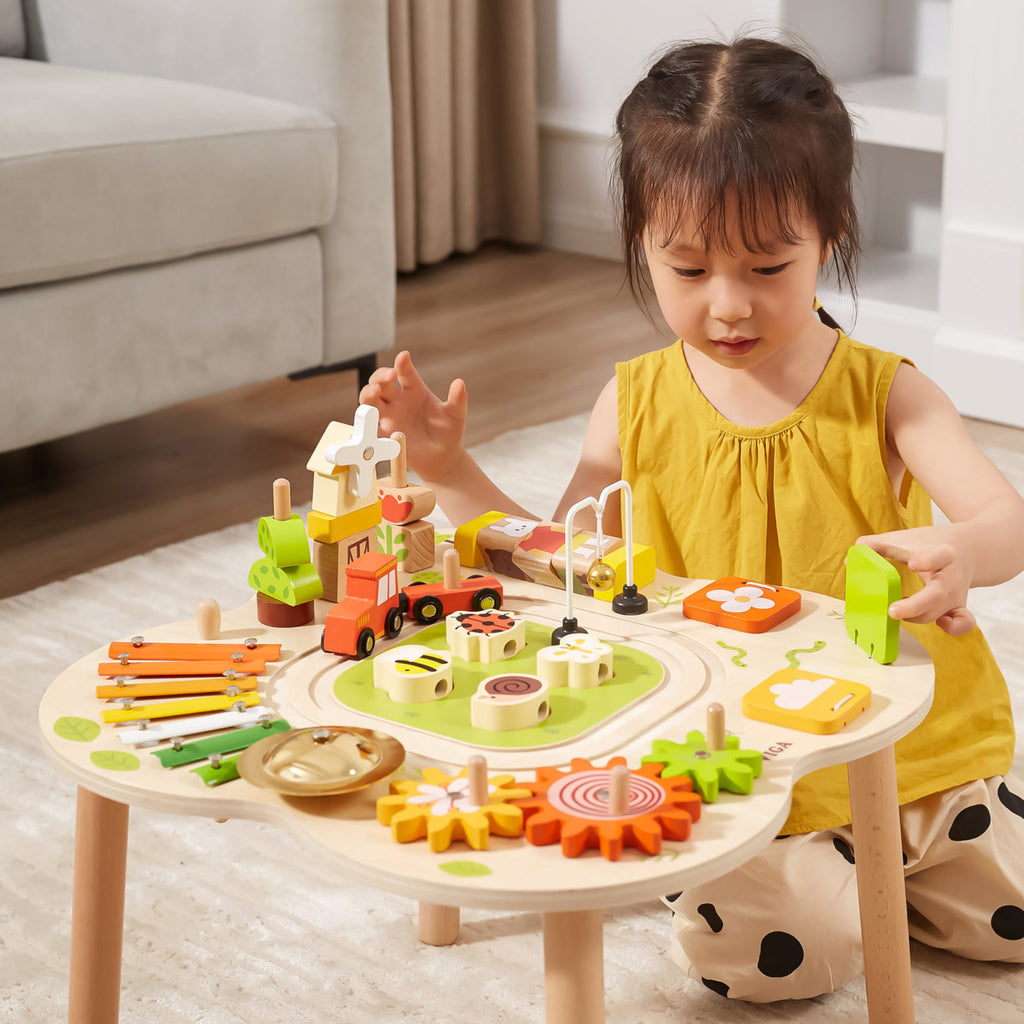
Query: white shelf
899	110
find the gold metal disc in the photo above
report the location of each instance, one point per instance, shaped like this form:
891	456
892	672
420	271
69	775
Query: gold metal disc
321	760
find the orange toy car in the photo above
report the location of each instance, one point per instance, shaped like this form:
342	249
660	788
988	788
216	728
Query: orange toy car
374	607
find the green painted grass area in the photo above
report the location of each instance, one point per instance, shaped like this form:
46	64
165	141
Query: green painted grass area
572	711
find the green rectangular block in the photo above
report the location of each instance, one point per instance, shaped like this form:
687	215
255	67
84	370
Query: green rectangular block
872	585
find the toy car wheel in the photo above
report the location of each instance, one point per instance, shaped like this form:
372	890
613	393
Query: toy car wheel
323	634
393	623
427	609
486	599
365	643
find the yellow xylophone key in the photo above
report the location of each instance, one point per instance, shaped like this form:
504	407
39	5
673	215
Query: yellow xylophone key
172	708
175	687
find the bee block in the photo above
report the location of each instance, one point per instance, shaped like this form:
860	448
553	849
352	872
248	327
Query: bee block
414	674
579	661
511	701
486	636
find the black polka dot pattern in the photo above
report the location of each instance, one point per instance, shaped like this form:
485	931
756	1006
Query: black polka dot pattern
970	823
716	986
781	955
845	849
1010	801
1008	923
708	912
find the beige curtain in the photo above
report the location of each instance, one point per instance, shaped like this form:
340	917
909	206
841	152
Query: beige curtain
463	83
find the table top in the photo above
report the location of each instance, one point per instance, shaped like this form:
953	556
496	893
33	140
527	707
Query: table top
702	662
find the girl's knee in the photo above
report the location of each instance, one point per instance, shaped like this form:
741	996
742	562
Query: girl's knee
733	956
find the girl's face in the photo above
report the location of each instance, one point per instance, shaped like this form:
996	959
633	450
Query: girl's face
739	309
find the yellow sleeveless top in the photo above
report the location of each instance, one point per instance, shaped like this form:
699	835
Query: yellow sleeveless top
782	504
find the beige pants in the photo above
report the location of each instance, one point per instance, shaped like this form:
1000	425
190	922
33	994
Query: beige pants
786	925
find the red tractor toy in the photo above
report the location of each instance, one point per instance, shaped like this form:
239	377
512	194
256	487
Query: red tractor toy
374	607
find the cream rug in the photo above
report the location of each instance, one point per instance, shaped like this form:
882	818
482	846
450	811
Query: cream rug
239	924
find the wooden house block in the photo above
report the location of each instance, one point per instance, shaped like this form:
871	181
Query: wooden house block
331	529
330	560
579	661
486	636
414	674
344	464
405	504
413	543
506	702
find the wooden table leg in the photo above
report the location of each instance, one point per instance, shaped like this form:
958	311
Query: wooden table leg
97	914
881	888
574	967
439	925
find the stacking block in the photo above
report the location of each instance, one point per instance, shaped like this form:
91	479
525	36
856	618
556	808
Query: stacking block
412	543
332	529
486	636
500	540
283	541
279	615
404	504
293	585
579	661
414	674
349	455
537	553
503	703
330	560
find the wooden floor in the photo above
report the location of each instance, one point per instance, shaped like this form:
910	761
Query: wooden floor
516	324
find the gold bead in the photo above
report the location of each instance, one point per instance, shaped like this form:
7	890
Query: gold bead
601	576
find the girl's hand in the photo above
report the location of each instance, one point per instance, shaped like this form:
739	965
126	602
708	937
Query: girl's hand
944	569
433	429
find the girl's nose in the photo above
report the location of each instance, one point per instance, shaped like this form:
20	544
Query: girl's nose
729	302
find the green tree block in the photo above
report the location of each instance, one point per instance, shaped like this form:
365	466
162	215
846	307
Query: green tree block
293	585
872	585
284	541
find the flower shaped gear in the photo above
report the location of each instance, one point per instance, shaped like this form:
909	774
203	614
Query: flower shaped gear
440	809
572	807
731	769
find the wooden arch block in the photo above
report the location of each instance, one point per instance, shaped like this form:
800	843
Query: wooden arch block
510	701
579	661
486	636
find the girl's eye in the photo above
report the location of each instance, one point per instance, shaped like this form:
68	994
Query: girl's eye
770	271
687	272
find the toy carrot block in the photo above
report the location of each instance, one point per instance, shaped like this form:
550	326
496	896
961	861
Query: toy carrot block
175	687
149	669
171	708
192	652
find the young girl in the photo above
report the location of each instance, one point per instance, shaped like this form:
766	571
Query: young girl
764	443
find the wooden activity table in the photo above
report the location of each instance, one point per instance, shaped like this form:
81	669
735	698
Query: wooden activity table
702	663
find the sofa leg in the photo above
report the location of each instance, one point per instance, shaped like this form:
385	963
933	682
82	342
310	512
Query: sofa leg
364	365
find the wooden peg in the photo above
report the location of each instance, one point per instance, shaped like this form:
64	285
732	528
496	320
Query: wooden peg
477	772
399	465
282	499
618	791
208	619
716	727
452	579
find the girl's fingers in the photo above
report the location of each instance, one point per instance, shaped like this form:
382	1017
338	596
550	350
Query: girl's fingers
458	399
957	622
406	374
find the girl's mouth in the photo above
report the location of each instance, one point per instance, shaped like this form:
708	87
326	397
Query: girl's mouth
734	346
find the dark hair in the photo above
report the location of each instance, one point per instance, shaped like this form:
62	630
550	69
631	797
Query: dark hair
753	119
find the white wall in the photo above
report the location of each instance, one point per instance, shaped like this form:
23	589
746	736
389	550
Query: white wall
590	54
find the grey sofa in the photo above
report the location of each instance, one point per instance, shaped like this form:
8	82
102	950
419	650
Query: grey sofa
194	195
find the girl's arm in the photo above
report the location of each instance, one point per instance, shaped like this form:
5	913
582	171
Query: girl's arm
434	431
600	464
983	544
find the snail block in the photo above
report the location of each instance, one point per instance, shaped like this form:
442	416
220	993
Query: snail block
579	661
413	673
511	701
485	636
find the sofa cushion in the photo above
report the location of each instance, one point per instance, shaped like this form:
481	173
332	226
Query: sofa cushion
12	29
101	170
